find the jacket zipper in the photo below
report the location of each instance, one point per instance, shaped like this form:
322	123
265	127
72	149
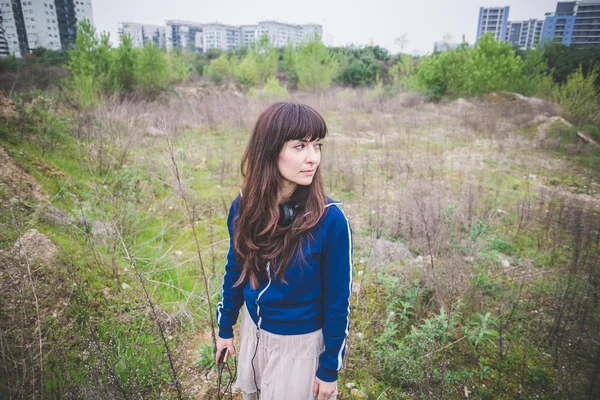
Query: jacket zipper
261	293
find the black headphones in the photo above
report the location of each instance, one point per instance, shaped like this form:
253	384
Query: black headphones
287	213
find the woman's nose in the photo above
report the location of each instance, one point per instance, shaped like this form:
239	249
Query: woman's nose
313	155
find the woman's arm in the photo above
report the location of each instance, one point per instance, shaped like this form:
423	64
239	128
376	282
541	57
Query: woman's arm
233	297
337	285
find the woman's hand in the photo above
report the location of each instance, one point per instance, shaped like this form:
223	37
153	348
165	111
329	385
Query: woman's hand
324	390
224	344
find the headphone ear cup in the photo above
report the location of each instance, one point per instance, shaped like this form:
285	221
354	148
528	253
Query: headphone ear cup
287	213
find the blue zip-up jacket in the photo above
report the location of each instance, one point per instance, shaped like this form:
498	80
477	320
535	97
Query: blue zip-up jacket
317	293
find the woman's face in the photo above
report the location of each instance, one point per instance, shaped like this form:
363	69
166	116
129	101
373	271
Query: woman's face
298	162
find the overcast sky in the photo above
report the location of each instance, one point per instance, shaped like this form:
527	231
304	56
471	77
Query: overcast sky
344	22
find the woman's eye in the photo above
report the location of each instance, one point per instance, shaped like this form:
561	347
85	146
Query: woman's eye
299	146
319	145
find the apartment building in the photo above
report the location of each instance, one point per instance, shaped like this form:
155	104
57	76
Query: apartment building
14	27
493	20
184	35
586	30
310	31
220	36
559	25
201	37
142	34
42	23
524	34
279	33
3	42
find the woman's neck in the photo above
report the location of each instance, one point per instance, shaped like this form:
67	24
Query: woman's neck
285	192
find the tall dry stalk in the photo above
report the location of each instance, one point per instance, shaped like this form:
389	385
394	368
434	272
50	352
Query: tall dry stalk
23	257
133	264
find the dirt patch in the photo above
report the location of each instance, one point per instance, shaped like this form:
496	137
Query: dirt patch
544	128
196	381
36	249
16	182
7	107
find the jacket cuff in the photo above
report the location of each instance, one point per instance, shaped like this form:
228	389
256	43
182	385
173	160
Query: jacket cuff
226	332
327	375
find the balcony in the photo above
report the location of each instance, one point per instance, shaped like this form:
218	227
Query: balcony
587	16
586	9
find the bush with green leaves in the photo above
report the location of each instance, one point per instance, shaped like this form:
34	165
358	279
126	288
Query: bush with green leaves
258	65
246	72
490	66
290	65
179	67
218	69
98	68
125	62
273	90
82	65
315	65
578	98
401	72
152	68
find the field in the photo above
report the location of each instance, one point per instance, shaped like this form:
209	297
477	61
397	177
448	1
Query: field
476	232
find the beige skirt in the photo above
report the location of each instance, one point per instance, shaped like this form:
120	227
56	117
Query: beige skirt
285	365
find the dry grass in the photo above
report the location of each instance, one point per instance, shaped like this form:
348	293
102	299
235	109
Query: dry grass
411	175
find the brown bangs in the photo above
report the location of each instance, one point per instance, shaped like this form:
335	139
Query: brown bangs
299	122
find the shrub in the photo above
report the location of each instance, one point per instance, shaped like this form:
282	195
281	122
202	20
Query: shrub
401	72
274	90
218	69
578	98
152	68
246	72
490	66
315	66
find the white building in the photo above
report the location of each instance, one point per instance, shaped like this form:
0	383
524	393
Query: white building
201	37
219	36
249	34
3	42
184	35
310	31
280	34
524	34
83	10
141	34
42	23
12	27
493	20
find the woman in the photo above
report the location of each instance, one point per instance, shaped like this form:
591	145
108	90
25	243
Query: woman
290	261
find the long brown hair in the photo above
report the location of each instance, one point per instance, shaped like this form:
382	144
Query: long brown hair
258	238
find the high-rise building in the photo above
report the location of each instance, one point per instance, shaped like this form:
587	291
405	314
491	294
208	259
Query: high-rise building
280	34
201	37
559	25
493	20
524	34
184	35
142	34
42	23
3	42
311	31
586	30
14	27
219	36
